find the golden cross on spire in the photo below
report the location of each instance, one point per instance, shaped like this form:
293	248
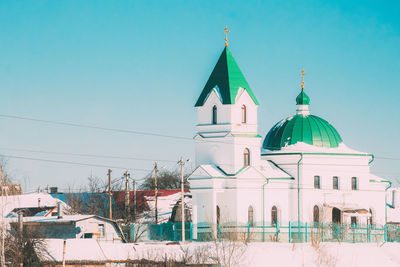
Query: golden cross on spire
302	74
226	35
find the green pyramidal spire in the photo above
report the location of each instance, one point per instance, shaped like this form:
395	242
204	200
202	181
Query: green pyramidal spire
228	78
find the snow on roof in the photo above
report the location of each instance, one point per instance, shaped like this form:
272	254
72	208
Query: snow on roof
271	170
93	250
27	201
55	219
76	250
165	204
212	171
303	147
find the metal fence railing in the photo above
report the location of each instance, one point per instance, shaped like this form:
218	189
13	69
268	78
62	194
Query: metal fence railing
290	232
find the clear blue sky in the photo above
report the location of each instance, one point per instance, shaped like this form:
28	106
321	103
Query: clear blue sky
141	65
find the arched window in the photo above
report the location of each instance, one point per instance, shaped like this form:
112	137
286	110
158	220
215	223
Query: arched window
250	216
244	114
246	157
218	215
316	216
335	182
317	184
354	185
214	115
274	215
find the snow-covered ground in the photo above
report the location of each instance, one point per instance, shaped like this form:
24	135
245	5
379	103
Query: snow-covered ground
231	254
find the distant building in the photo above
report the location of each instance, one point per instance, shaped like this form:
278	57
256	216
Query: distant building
74	226
34	204
167	199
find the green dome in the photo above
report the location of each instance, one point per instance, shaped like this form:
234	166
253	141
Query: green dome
309	129
302	98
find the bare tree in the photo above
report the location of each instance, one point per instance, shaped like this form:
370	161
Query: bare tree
3	196
165	180
89	200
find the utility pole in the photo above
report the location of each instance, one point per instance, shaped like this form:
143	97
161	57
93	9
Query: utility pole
155	191
3	225
127	193
109	195
182	200
134	200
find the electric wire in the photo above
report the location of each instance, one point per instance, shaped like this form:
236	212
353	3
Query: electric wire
75	163
80	125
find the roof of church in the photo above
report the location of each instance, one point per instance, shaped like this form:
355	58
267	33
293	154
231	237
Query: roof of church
308	129
305	128
302	98
227	79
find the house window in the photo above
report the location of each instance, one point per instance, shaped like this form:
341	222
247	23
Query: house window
274	215
244	114
214	115
335	182
101	229
250	216
317	184
246	157
354	185
353	221
316	216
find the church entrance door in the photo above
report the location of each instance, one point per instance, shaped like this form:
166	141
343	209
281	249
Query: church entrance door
336	215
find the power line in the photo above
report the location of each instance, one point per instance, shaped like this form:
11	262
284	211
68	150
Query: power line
83	155
74	163
92	127
79	125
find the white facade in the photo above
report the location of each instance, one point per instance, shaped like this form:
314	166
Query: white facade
225	190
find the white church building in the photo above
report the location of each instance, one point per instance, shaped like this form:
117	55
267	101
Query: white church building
301	171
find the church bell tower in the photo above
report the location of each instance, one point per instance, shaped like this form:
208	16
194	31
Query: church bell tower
227	119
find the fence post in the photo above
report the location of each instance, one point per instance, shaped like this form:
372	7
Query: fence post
290	233
384	233
190	231
248	231
369	233
306	233
219	233
277	231
175	232
322	232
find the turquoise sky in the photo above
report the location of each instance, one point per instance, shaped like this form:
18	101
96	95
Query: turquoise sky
141	65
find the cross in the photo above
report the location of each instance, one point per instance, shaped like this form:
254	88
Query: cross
302	74
226	35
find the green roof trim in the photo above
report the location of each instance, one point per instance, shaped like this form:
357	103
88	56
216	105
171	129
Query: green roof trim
247	135
228	78
302	98
309	129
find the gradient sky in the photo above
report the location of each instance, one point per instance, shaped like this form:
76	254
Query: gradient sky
140	65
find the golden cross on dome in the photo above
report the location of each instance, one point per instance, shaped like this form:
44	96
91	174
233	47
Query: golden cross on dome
226	35
302	74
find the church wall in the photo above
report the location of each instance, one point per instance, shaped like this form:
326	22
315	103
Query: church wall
370	195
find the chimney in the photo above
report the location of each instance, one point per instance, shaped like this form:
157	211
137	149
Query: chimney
59	210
